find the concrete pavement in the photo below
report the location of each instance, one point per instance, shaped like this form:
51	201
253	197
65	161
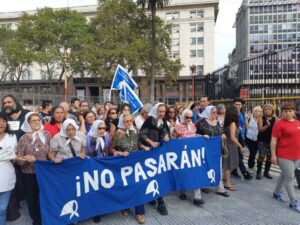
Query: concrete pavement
251	204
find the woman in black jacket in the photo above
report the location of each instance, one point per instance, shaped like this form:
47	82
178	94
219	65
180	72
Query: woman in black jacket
154	130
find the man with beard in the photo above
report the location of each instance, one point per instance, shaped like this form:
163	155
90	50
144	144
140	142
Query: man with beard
15	114
15	118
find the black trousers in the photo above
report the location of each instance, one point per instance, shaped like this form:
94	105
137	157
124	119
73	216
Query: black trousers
32	195
252	145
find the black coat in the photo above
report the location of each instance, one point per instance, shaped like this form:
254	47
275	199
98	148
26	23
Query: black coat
149	130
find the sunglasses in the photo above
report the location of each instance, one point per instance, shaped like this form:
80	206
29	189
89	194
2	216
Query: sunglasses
101	128
128	121
189	117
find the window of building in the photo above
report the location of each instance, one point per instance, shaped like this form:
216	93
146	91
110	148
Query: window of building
172	16
7	26
44	75
196	41
27	90
193	41
200	53
197	14
193	53
200	40
175	54
199	70
175	41
26	75
175	29
197	27
172	88
45	90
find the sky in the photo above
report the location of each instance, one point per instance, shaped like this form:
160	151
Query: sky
224	33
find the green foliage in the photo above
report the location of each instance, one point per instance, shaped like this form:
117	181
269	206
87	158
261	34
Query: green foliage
49	30
152	3
15	55
122	35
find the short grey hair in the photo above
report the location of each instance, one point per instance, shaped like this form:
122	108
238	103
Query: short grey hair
220	107
146	108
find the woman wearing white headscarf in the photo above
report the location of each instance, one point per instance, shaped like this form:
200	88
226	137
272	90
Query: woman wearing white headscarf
154	130
33	145
97	140
68	143
209	126
185	129
97	143
125	141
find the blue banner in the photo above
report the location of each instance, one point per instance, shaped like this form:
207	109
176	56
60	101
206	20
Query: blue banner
121	75
79	189
129	96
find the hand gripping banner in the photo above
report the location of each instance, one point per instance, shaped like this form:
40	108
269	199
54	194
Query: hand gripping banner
79	189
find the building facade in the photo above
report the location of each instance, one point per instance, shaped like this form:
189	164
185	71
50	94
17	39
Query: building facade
192	42
267	57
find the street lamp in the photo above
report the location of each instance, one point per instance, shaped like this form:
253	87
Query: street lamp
65	55
193	70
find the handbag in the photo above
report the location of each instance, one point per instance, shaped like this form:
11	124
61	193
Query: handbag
224	151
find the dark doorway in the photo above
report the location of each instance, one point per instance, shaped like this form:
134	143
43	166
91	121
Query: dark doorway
94	94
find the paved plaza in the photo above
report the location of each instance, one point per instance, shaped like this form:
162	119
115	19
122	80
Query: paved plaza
251	204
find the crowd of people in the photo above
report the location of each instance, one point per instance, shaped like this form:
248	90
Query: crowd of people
80	130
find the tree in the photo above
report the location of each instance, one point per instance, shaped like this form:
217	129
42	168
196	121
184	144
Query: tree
15	58
49	30
152	6
116	38
122	35
5	35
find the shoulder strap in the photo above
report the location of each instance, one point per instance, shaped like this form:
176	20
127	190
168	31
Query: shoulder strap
72	149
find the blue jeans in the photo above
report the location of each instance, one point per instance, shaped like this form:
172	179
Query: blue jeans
4	199
139	210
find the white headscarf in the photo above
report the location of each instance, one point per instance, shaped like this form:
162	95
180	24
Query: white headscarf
122	126
154	114
63	129
27	128
94	133
182	118
207	112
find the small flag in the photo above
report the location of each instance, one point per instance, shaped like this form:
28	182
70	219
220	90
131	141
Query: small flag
122	75
128	95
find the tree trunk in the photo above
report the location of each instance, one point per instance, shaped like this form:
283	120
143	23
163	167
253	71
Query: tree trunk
153	52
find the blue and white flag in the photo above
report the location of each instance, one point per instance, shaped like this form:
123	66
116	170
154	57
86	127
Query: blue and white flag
122	75
79	189
128	95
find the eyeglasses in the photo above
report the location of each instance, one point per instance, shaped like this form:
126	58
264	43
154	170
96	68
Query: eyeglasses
128	121
35	121
101	128
189	117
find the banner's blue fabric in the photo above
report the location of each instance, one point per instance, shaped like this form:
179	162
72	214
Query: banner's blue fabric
121	75
79	189
129	96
